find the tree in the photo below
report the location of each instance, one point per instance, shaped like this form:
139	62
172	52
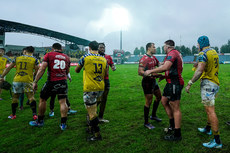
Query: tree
194	50
127	53
136	51
158	50
142	50
217	49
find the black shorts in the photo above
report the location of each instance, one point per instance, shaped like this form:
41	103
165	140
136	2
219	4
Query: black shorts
149	85
54	87
173	91
107	84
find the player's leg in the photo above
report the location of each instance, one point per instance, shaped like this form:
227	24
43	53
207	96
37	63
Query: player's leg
102	106
177	118
148	86
158	96
70	111
148	102
52	101
33	104
169	112
94	121
14	105
90	100
21	99
216	142
17	90
63	110
44	95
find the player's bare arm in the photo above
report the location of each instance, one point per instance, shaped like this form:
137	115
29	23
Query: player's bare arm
160	69
41	71
113	67
36	68
196	76
78	68
6	71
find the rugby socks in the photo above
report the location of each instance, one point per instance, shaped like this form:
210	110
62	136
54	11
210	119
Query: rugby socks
155	106
33	107
63	120
94	124
40	118
146	114
217	136
172	123
14	107
177	132
208	127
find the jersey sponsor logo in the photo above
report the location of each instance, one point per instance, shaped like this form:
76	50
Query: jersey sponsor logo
22	73
60	57
98	78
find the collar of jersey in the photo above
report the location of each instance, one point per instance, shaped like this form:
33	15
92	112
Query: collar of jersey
148	55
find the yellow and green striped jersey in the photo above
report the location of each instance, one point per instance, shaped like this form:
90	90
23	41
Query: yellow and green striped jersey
211	58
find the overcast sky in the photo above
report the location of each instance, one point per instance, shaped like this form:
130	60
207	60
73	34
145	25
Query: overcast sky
144	21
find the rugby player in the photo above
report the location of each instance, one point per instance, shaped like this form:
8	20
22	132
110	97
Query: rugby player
58	65
173	67
149	84
3	62
207	71
26	67
95	69
103	98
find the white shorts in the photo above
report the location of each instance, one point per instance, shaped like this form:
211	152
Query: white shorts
90	98
208	92
21	87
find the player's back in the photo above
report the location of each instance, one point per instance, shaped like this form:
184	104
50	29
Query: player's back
58	65
3	61
94	72
212	65
25	66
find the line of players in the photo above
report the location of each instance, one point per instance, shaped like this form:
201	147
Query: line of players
96	69
58	65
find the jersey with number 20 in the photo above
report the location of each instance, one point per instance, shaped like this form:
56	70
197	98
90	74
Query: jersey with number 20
58	65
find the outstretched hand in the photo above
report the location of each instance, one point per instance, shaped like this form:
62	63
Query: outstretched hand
187	88
147	72
35	86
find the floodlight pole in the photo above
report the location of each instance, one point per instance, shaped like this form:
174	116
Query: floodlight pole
121	40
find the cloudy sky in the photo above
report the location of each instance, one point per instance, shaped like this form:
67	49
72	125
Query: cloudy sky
142	21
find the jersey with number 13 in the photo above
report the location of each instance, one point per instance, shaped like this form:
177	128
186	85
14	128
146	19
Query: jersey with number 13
25	65
58	65
94	72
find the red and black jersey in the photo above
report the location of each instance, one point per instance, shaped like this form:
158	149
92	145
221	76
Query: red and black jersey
148	62
173	75
109	62
58	65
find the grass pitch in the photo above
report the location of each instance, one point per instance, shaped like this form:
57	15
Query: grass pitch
125	131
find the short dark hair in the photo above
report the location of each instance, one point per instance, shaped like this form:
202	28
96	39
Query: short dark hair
94	45
29	49
57	46
171	43
148	45
101	44
3	49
